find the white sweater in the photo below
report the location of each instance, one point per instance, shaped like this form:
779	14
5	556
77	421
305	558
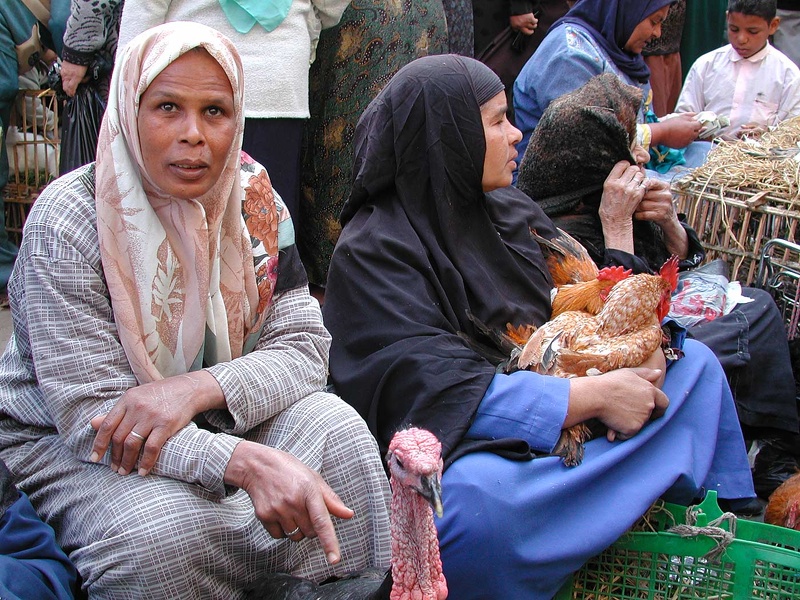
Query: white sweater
275	63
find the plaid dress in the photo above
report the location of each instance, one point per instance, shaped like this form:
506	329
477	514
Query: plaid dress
179	532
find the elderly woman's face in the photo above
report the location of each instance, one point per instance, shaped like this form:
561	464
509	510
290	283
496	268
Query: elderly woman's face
647	30
501	139
187	125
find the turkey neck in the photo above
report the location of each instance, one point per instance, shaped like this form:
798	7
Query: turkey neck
416	564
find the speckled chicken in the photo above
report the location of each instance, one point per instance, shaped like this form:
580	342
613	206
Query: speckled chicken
783	506
624	333
415	468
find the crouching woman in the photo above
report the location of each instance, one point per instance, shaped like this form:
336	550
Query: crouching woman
160	396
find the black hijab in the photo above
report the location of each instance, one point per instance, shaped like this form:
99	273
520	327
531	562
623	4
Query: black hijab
424	254
611	23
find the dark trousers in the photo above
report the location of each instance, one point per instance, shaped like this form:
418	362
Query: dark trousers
752	346
276	144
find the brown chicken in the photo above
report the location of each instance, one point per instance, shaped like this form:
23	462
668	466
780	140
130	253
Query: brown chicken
624	333
578	284
783	506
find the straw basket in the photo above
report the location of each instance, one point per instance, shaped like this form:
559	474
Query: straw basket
735	224
717	556
34	156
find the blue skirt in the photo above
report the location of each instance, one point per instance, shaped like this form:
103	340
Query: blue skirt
519	529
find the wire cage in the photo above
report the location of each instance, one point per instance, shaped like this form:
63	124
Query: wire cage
779	274
33	143
736	224
744	560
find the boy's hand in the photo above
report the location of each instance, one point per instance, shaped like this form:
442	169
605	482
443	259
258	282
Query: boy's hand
751	130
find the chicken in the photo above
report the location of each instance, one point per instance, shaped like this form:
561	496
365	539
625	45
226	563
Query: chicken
624	333
783	506
578	284
415	469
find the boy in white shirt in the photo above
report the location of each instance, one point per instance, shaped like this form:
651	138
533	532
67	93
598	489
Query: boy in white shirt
749	81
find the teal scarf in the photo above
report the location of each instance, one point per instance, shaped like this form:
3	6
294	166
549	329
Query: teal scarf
243	14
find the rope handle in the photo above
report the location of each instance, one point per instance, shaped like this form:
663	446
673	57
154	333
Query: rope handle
722	537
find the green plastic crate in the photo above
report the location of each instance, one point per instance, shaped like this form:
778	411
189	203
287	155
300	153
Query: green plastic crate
760	562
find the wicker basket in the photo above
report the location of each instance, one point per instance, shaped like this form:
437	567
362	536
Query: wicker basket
735	225
759	562
36	157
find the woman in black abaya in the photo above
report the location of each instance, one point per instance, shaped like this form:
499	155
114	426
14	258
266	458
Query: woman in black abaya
434	239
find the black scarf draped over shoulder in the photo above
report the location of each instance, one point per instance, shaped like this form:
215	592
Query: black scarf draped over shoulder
422	248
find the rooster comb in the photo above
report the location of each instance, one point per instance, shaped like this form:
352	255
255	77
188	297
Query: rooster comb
615	274
669	272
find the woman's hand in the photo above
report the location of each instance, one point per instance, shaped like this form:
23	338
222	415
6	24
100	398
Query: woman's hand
676	132
624	400
657	206
72	76
146	416
287	495
623	190
525	24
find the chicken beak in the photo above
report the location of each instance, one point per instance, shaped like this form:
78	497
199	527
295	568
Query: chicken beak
432	492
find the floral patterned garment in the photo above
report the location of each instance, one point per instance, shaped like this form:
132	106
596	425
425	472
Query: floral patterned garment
188	284
355	60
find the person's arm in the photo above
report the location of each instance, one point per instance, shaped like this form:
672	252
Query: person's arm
691	98
139	16
32	565
521	17
790	98
81	367
676	132
556	68
85	34
329	12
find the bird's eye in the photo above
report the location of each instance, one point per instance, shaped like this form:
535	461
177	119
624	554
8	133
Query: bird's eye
399	462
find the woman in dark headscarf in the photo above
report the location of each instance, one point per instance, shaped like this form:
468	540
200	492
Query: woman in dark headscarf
598	36
435	241
636	225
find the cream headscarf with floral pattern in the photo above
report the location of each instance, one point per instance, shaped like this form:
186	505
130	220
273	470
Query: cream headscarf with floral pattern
190	281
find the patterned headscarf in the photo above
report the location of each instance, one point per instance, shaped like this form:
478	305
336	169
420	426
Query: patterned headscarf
189	285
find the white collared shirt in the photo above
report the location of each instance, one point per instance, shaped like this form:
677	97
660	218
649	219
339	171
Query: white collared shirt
764	88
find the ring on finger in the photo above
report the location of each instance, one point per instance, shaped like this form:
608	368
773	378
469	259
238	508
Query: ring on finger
294	531
138	436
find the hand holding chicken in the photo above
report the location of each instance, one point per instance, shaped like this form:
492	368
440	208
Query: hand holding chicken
624	333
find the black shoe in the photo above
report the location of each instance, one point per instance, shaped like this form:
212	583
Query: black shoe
773	466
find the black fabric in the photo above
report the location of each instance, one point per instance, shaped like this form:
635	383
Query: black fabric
422	249
750	344
8	491
611	23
